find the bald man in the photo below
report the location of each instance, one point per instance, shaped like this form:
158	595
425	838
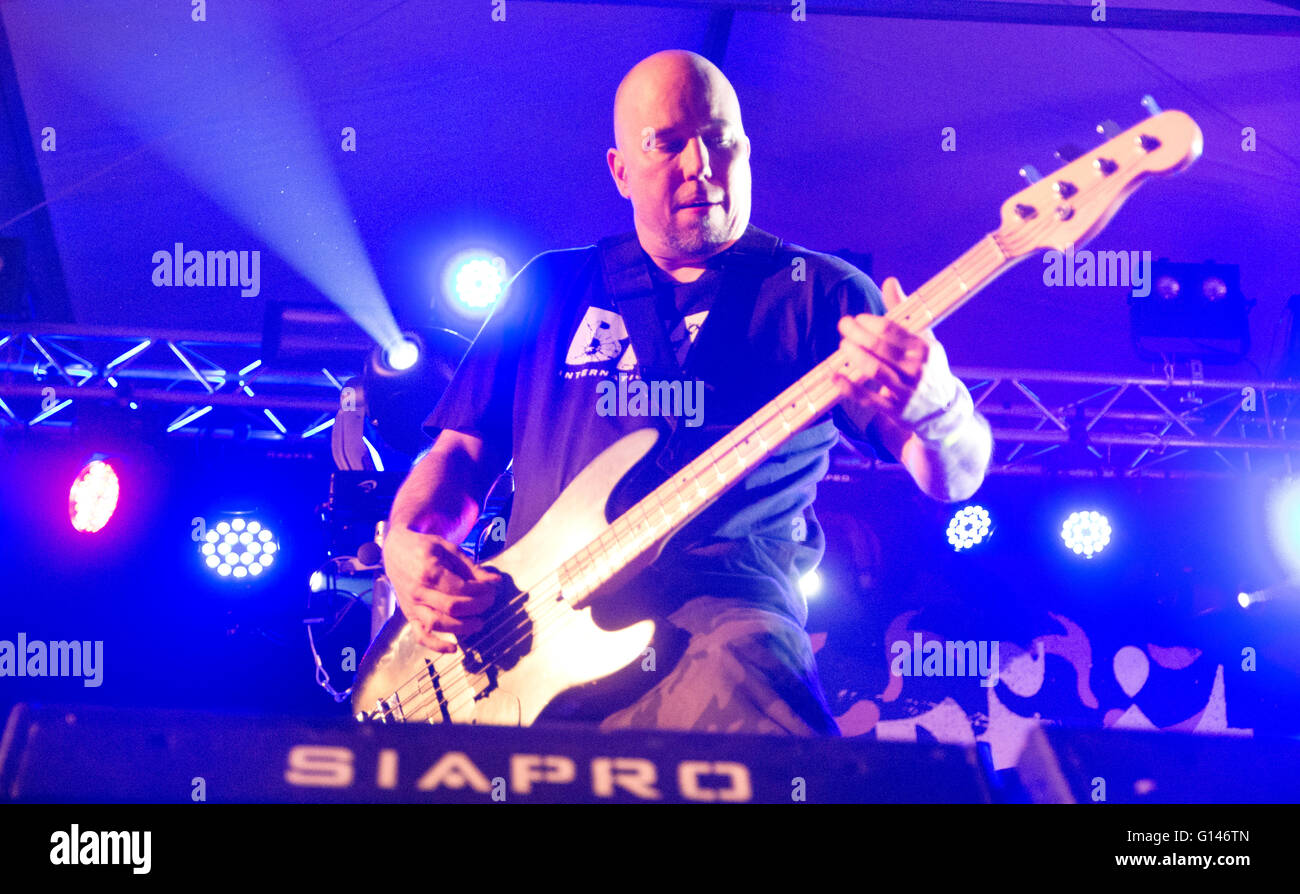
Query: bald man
697	296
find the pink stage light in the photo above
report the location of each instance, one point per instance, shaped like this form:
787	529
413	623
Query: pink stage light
93	497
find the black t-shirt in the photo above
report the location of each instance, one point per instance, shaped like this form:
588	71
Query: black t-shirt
528	389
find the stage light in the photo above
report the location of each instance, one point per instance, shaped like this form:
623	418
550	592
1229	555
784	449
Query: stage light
1086	533
297	209
93	497
402	356
1282	509
301	336
473	281
810	584
396	402
1214	289
1193	310
1286	591
238	548
969	526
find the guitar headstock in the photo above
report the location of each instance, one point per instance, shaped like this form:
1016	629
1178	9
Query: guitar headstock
1072	204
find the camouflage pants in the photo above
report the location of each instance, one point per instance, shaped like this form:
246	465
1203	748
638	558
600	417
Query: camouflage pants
744	669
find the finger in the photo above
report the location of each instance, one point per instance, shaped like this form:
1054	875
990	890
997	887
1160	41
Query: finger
886	377
450	571
465	606
864	395
441	581
445	623
905	369
858	367
892	291
893	333
456	605
892	345
421	619
458	563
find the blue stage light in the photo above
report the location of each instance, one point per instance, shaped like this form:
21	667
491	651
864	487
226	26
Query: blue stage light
1086	533
473	281
238	549
969	526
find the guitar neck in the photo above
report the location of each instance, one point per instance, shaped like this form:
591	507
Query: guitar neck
692	489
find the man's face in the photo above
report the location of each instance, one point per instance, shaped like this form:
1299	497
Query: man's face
684	164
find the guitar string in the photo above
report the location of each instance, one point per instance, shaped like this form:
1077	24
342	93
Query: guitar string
936	289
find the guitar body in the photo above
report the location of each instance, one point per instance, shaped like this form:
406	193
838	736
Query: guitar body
399	679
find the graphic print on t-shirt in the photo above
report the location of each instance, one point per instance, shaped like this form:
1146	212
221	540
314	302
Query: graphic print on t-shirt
602	337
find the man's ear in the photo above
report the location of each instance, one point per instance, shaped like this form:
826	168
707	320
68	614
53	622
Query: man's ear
617	170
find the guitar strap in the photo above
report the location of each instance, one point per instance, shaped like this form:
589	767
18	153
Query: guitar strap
625	268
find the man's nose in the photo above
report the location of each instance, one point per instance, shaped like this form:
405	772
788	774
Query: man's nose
695	159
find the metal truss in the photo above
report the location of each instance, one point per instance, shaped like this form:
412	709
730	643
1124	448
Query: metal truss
182	382
1044	422
1092	424
1098	425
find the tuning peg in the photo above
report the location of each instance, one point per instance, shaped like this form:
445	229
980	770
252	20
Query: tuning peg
1067	153
1108	129
1149	103
1031	175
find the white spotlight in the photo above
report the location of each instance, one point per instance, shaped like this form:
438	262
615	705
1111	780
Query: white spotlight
1086	533
811	583
402	356
969	525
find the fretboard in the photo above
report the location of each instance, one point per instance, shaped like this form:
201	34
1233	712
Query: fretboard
694	487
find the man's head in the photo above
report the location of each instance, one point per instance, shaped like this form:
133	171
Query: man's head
681	156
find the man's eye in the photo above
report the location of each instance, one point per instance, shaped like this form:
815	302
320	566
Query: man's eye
672	146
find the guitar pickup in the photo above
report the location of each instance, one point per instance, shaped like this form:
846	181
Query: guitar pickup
437	691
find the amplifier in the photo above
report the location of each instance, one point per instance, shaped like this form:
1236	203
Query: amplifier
97	755
1060	765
